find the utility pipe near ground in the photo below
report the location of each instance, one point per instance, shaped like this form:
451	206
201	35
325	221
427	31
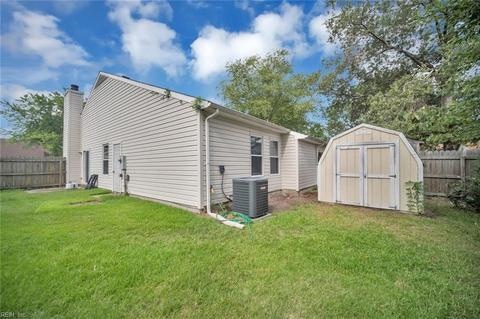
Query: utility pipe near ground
207	156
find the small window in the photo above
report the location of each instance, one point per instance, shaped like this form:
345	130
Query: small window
105	159
274	157
256	154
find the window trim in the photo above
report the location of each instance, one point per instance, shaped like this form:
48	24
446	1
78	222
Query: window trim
105	159
256	155
277	157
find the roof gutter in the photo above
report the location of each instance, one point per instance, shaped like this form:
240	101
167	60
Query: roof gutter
246	118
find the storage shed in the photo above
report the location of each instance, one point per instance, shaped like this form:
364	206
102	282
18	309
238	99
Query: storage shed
368	166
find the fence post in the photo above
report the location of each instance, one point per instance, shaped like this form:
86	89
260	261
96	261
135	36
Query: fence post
60	173
462	164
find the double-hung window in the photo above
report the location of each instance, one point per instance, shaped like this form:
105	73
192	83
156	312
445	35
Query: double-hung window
256	155
105	158
274	168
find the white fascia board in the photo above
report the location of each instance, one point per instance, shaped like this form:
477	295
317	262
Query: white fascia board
246	118
306	138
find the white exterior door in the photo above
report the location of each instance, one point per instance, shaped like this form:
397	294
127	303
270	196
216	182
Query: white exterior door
380	176
117	168
366	175
349	175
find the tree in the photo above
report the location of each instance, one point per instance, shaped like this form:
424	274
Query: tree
409	106
266	87
462	68
36	119
396	54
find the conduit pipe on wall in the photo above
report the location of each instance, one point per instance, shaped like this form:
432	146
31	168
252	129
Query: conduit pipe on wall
207	155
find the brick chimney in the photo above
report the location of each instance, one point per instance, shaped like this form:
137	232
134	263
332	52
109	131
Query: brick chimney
72	109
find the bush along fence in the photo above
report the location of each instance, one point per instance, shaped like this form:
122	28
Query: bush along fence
32	172
441	169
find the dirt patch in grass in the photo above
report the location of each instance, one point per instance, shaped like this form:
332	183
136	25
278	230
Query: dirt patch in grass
44	190
285	200
279	201
430	212
94	201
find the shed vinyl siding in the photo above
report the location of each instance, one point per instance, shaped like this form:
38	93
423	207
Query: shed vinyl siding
307	164
158	136
407	164
230	146
289	162
73	105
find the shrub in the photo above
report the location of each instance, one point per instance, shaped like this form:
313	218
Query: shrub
415	197
466	194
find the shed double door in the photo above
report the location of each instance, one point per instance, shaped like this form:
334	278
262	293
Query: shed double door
366	175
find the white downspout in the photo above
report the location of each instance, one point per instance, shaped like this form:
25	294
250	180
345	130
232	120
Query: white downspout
207	172
207	155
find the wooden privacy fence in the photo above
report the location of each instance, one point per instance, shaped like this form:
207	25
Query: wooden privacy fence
32	172
443	168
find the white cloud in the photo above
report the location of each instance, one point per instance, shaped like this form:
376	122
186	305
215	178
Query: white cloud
38	34
154	9
198	3
66	7
215	47
318	30
245	6
29	75
148	43
10	92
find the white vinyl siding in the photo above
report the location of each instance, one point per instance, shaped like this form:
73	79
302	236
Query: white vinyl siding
158	136
230	146
307	164
289	162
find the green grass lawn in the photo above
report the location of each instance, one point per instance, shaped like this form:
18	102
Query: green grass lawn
124	257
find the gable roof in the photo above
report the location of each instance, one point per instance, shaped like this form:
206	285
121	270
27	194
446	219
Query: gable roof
307	138
102	76
381	129
206	105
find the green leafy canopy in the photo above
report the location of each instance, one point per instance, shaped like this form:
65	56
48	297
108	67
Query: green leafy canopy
267	87
36	119
407	65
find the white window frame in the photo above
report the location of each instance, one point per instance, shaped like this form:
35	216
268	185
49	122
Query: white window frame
255	155
277	157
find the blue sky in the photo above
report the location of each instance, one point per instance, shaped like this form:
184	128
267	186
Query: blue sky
181	45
